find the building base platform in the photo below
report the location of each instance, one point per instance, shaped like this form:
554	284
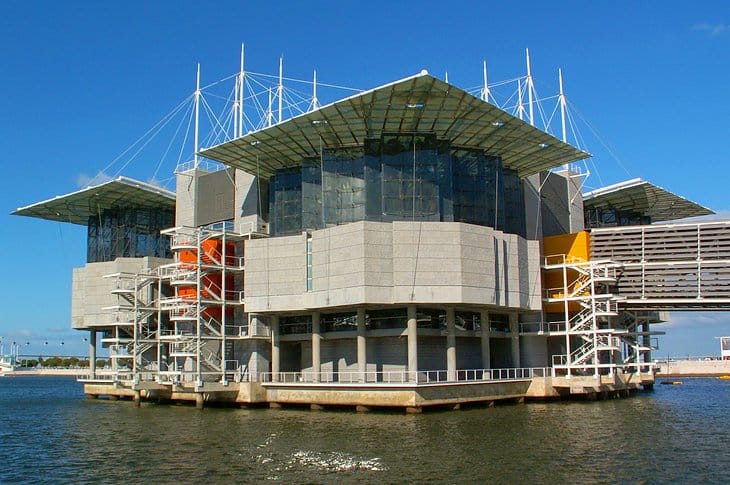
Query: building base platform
412	397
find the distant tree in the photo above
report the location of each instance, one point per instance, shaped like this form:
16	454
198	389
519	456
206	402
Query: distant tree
53	362
83	363
70	362
101	363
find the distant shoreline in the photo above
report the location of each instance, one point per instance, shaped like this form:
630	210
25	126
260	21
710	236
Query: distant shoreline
49	373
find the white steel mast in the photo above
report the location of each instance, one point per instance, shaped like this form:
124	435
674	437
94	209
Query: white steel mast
241	81
485	89
281	85
315	101
197	118
530	88
562	106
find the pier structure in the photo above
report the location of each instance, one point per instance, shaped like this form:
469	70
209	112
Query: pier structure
409	246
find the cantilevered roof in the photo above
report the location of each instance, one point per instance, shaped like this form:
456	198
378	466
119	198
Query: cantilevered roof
76	207
637	195
419	103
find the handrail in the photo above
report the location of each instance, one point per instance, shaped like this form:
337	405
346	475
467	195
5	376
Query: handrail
404	377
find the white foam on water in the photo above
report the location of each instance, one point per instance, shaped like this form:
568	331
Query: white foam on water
334	461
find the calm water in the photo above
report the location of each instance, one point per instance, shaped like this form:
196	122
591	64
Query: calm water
50	434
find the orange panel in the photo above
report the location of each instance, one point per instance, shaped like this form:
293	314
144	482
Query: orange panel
576	246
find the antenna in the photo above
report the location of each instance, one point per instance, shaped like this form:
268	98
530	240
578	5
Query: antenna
281	85
269	111
447	77
197	117
530	87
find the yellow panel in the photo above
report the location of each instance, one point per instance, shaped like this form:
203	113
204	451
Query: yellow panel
576	247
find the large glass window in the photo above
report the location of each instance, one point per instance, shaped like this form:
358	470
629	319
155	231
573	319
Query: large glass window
128	232
398	177
286	202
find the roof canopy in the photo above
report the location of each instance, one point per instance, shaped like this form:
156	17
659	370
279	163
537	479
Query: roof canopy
637	195
76	207
419	103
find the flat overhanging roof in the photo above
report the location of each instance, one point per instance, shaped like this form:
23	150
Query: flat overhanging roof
76	207
640	196
419	103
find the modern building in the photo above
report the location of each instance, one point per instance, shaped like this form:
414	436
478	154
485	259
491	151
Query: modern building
412	245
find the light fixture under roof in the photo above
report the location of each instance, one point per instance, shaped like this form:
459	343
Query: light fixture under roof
543	145
255	142
415	105
497	124
319	122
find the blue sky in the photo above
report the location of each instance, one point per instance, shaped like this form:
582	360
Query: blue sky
82	80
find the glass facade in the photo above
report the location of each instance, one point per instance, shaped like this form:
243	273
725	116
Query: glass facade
399	177
610	217
128	232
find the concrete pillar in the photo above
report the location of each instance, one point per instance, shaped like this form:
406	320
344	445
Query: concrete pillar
361	346
92	354
486	354
316	354
450	344
514	329
199	400
137	398
647	342
412	344
275	348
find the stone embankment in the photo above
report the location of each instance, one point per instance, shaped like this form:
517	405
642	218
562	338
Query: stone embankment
693	368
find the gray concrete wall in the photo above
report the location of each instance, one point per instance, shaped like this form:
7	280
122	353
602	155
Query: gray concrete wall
276	274
534	351
91	292
251	202
204	197
394	263
215	197
533	216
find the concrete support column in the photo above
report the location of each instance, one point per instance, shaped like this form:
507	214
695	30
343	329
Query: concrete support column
316	355
450	344
361	346
486	353
275	348
514	330
92	354
647	342
412	344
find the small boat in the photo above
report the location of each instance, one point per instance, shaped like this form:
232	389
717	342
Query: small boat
672	383
724	378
